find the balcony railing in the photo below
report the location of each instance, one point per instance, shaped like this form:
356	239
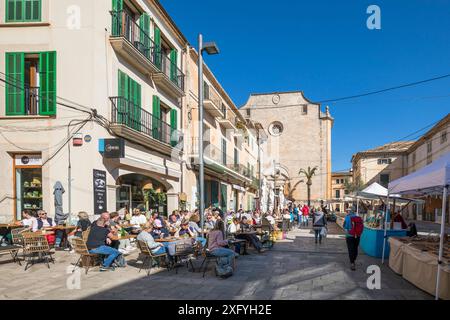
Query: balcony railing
171	70
125	112
123	25
218	156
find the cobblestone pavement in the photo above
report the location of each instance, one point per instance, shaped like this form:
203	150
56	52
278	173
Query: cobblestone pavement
296	269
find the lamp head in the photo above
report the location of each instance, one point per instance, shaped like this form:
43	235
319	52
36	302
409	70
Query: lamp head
211	48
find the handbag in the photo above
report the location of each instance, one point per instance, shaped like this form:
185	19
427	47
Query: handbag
324	232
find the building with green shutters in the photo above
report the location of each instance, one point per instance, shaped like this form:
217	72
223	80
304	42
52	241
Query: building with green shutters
60	59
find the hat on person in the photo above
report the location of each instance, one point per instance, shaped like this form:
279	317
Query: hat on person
158	223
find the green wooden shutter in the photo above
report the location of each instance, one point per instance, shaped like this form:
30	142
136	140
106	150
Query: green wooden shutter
117	7
156	119
122	101
174	65
32	10
47	89
15	78
174	126
215	193
14	10
223	197
144	36
157	40
135	106
224	152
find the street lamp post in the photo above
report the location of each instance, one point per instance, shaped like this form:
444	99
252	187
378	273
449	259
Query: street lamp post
211	49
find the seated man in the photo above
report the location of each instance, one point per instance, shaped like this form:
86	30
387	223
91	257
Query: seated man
44	222
138	219
98	242
252	238
209	223
159	231
174	224
187	231
146	236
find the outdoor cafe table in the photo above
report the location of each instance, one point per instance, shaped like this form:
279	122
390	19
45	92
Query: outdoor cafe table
127	237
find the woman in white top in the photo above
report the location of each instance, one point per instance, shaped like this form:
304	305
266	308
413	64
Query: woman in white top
29	220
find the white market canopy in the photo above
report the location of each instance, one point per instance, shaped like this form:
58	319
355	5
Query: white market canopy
424	181
376	191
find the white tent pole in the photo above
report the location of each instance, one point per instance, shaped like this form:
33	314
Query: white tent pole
357	206
441	245
385	227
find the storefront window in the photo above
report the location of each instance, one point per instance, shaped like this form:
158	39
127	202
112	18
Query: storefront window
28	184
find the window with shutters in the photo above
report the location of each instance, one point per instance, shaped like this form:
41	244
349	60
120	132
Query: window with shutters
23	10
30	83
443	137
129	103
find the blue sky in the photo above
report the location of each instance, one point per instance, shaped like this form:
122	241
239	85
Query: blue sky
325	49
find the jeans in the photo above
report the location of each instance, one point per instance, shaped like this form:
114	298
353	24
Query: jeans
202	241
223	252
318	235
305	220
111	254
59	237
299	220
352	246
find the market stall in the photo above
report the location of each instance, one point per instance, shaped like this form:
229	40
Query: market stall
419	265
374	233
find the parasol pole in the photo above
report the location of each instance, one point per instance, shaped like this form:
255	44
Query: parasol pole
385	227
441	245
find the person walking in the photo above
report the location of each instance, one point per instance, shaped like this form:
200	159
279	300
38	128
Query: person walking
305	211
354	227
319	223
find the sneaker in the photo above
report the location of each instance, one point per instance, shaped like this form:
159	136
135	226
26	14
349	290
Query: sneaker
353	267
104	269
123	251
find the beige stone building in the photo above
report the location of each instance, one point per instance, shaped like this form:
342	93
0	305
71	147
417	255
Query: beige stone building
231	147
299	136
430	147
339	190
59	59
382	164
395	160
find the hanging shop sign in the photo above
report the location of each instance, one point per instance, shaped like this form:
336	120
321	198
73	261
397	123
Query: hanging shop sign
112	148
99	191
236	187
28	160
87	138
77	140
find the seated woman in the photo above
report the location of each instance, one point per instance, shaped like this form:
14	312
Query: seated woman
82	225
29	220
399	218
217	244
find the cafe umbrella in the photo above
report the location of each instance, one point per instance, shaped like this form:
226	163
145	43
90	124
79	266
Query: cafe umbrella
58	191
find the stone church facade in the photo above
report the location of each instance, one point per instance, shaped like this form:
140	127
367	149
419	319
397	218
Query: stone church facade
299	136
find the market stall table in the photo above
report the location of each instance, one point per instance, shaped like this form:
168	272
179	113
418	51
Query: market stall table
372	241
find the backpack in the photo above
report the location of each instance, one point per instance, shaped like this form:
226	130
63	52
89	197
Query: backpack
357	226
120	262
223	268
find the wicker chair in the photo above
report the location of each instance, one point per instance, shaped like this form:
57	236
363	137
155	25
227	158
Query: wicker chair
149	256
17	244
87	259
36	245
186	252
85	234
